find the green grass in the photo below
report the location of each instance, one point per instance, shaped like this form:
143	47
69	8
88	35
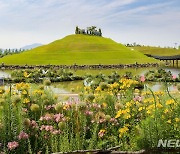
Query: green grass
157	51
79	49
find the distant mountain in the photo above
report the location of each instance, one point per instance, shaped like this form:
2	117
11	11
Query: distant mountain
31	46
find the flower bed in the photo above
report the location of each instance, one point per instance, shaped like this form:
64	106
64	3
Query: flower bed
115	114
161	75
39	75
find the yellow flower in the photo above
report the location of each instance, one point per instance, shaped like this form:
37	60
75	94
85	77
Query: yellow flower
123	130
39	92
128	104
127	83
26	101
146	93
137	103
158	93
104	105
166	111
127	116
118	114
126	110
169	121
20	86
26	75
136	90
98	89
159	105
66	107
148	112
115	85
101	133
177	119
150	107
140	109
24	92
2	91
169	102
149	100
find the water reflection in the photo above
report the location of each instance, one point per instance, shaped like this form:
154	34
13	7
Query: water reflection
66	87
162	87
4	74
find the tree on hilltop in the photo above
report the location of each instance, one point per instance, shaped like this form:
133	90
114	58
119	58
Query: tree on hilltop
77	30
100	31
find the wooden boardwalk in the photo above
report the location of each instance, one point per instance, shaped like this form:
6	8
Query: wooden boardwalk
174	60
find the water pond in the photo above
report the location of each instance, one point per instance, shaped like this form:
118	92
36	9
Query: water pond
76	86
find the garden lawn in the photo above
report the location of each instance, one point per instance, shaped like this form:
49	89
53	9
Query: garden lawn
79	49
157	51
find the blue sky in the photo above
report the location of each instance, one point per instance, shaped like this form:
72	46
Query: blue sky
149	22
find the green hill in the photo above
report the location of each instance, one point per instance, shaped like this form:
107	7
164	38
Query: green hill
157	50
79	49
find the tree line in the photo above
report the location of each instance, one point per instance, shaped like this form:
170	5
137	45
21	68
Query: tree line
5	52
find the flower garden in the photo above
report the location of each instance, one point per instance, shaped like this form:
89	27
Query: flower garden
111	111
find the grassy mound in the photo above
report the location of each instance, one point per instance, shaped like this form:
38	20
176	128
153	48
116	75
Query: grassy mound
157	51
79	49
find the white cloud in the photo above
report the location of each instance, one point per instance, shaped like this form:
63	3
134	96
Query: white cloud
28	21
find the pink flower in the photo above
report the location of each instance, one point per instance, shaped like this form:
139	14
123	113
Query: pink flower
41	118
42	127
12	145
58	117
101	133
48	128
47	117
55	132
48	107
25	110
23	135
101	120
34	124
96	106
142	78
114	121
88	113
137	98
174	77
92	121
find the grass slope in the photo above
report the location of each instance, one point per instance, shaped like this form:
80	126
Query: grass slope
79	49
157	51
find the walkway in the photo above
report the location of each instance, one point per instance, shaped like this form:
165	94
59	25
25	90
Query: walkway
171	59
